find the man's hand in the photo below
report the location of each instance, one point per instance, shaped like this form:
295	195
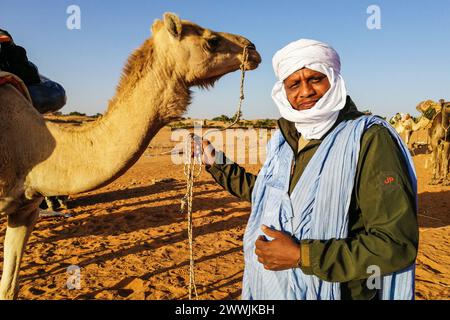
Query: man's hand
207	150
281	253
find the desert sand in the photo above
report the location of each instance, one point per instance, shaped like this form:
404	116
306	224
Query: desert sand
130	239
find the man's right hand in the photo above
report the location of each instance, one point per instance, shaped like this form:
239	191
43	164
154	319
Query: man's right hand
207	150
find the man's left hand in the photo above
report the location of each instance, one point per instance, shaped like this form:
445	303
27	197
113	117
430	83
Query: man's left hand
279	254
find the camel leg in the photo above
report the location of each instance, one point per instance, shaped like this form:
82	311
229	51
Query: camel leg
436	156
439	163
429	137
20	225
434	163
408	137
445	163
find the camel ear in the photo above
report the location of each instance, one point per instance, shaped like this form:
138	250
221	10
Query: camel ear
173	25
157	24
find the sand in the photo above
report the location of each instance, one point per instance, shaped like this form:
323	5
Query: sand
129	239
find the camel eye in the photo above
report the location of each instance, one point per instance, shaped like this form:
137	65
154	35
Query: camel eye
213	43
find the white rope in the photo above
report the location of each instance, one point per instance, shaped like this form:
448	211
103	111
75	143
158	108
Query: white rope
192	170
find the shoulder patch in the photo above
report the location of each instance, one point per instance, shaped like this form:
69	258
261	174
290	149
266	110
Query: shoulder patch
388	179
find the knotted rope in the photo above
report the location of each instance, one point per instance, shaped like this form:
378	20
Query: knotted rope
192	170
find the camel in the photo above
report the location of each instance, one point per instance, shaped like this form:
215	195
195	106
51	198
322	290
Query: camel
439	133
406	125
39	158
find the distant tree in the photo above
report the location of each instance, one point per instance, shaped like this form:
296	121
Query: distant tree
222	118
179	125
76	113
237	114
266	123
225	118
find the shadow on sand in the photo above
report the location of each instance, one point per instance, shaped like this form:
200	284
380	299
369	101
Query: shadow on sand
434	209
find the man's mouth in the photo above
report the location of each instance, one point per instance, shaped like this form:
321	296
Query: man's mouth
307	105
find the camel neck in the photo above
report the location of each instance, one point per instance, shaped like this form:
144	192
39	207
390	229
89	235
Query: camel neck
95	154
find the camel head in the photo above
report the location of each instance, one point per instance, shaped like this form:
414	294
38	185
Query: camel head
200	56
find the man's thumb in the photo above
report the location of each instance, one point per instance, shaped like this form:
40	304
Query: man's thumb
270	232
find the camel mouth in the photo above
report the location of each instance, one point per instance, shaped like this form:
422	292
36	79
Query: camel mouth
254	60
251	65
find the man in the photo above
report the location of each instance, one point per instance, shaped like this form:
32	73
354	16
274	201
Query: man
336	200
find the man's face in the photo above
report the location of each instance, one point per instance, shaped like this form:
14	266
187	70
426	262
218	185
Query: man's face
305	87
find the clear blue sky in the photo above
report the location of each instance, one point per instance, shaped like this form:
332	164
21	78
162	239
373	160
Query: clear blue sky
386	70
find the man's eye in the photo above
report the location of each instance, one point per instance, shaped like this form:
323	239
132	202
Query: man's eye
316	79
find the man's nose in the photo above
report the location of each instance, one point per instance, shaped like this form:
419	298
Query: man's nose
306	90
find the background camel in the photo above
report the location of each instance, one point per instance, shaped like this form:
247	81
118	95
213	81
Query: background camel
439	133
405	126
39	158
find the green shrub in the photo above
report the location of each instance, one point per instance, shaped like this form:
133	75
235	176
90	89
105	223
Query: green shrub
76	113
222	118
266	123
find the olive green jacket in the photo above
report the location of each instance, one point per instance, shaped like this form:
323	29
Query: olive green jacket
383	229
